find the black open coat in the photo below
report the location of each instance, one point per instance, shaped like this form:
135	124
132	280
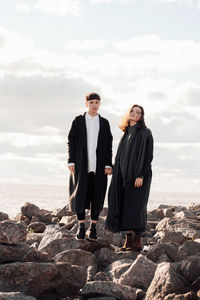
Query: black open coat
127	205
77	153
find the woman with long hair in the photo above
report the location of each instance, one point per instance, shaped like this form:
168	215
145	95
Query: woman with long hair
131	180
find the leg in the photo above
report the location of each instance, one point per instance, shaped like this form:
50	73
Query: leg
128	242
94	218
81	221
137	242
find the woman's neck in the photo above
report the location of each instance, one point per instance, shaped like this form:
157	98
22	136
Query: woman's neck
131	123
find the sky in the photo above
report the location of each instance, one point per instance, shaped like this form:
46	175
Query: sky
53	52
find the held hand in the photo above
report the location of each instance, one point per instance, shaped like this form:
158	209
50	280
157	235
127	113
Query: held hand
138	182
71	168
108	171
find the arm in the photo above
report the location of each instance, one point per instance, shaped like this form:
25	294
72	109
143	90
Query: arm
109	148
71	143
147	162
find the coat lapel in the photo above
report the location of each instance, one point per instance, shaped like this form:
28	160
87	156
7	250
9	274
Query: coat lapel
84	132
100	136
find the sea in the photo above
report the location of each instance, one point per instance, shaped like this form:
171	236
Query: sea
13	196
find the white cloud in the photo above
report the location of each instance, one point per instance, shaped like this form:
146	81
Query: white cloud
107	1
85	44
23	7
52	7
59	7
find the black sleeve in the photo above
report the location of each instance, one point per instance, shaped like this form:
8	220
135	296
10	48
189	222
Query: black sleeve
71	142
109	146
148	156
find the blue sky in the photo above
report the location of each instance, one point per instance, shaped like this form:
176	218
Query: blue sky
130	51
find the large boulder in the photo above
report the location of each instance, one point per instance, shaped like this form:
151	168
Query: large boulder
110	289
21	252
140	273
189	268
169	249
186	296
115	270
187	227
15	296
166	281
29	210
36	278
3	216
37	227
12	232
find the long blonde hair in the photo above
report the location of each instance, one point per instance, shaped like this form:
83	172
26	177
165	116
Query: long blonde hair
124	123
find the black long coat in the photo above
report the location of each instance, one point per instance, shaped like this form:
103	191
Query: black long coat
127	205
77	153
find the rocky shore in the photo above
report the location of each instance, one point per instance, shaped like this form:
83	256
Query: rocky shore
41	259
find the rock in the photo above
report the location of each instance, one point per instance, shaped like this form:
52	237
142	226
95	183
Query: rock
76	257
157	250
186	214
189	268
36	278
171	237
186	296
110	289
15	296
168	212
33	237
56	240
12	232
35	219
189	248
101	276
21	217
106	256
3	216
196	284
29	210
62	212
158	213
163	258
37	227
21	252
70	221
166	281
117	268
188	228
140	273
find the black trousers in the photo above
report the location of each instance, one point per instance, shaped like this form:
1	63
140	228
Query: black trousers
90	199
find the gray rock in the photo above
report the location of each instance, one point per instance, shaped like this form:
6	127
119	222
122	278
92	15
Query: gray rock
189	248
15	296
101	276
169	249
140	273
110	289
76	257
106	256
163	258
37	227
171	237
3	216
21	252
30	209
33	237
186	296
70	221
189	228
36	278
189	268
166	281
21	217
117	268
12	232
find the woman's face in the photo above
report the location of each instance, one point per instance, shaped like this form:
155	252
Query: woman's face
135	114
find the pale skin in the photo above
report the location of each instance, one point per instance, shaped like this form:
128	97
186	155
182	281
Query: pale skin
93	107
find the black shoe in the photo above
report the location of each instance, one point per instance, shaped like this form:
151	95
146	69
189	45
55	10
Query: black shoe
93	234
81	233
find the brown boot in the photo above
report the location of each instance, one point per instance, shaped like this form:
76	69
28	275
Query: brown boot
136	245
127	243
